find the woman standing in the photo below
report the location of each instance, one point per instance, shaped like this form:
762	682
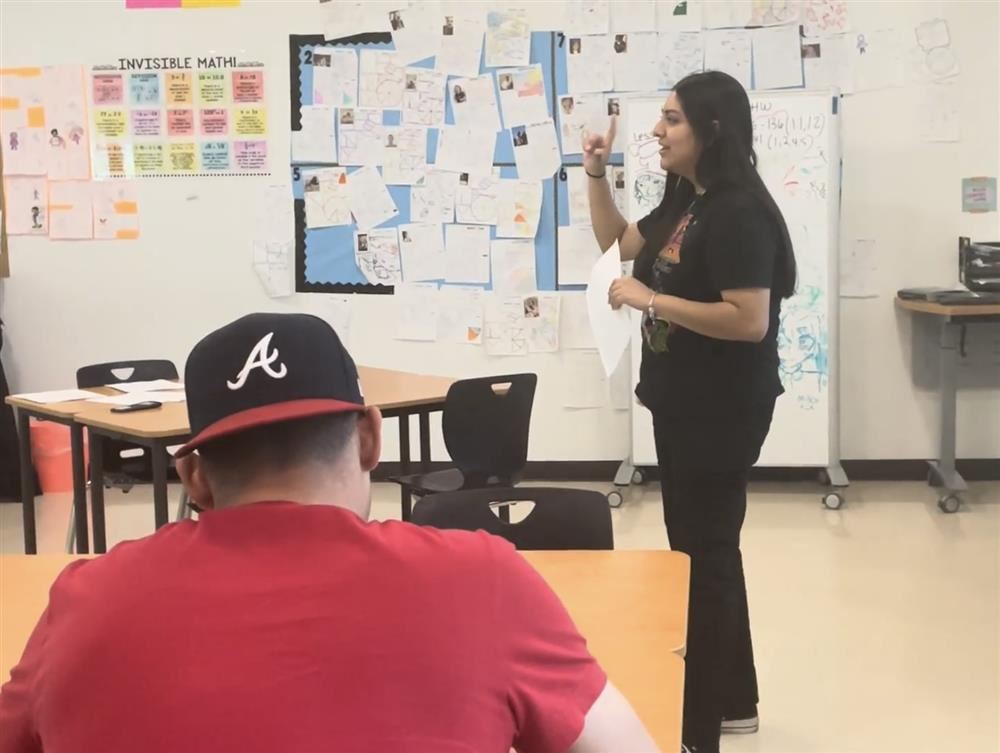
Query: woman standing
712	263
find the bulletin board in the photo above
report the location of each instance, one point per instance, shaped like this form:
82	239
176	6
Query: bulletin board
324	260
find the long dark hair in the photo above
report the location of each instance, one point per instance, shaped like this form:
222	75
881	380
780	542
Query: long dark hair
718	110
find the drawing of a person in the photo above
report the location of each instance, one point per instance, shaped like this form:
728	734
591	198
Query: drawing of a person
567	105
347	117
396	21
411	82
13	141
463	179
55	139
520	136
448	29
312	184
613	107
621	43
390	141
75	135
862	44
459	94
619	179
363	242
36	214
506	82
531	307
574	46
406	236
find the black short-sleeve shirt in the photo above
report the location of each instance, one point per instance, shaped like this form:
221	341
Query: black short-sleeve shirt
726	240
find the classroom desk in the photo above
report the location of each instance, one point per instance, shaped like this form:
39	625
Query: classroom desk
61	413
398	394
627	605
953	320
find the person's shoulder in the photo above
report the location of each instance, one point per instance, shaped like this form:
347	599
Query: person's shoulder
437	544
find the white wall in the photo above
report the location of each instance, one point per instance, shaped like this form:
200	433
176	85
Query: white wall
71	303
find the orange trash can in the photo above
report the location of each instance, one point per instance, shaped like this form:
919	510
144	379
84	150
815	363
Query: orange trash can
52	455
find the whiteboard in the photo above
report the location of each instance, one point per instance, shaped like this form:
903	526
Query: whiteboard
796	136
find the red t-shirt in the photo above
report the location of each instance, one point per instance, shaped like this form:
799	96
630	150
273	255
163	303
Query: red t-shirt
285	627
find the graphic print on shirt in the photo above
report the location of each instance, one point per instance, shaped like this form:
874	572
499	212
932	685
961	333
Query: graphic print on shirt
672	251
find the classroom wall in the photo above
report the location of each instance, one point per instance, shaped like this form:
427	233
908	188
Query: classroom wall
69	303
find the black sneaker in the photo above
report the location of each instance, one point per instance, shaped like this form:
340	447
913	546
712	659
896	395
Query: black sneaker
742	725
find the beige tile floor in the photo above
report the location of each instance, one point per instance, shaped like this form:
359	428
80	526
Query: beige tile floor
877	627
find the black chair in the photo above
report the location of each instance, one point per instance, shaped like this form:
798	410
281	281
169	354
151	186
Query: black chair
125	472
485	423
561	518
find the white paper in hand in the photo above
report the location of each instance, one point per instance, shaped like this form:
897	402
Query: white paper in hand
612	329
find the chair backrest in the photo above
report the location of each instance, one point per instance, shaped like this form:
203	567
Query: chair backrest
486	422
561	518
99	374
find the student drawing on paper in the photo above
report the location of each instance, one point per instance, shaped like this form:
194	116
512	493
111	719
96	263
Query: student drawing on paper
396	20
458	94
567	105
531	310
347	117
520	136
13	141
390	141
506	82
55	139
862	44
614	108
621	43
75	135
448	29
312	184
405	235
574	46
363	242
36	218
411	82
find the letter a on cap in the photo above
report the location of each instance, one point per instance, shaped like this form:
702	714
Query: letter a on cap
259	358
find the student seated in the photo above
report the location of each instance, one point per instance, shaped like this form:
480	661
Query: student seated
283	620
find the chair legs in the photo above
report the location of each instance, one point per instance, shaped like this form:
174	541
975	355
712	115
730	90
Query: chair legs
183	508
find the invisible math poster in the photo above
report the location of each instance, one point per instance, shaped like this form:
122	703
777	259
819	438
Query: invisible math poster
157	117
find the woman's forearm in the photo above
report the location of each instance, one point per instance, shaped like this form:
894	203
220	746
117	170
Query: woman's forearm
607	221
721	320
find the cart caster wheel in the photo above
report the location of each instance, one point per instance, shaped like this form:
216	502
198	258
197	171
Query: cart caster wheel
950	504
638	477
615	498
833	501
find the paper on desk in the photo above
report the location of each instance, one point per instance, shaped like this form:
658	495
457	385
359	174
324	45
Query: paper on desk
859	269
362	136
522	95
512	265
680	53
27	205
579	113
587	17
371	203
574	324
584	384
476	199
413	33
433	198
317	140
536	150
421	249
150	385
679	15
326	197
588	63
633	15
635	61
423	97
777	57
508	37
272	261
465	150
460	314
377	255
461	43
404	160
519	208
335	77
578	251
382	79
417	307
71	213
131	398
467	254
56	396
729	51
612	329
474	102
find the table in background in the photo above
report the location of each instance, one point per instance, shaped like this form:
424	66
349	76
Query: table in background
953	320
630	606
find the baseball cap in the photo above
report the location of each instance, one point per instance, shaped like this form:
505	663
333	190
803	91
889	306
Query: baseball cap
264	369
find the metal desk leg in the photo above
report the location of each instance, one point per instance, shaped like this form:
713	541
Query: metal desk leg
79	488
96	444
943	471
405	498
27	481
159	458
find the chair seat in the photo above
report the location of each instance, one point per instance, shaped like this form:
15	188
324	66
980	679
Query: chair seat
449	480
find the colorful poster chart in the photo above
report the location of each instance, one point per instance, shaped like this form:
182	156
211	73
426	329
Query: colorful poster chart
156	117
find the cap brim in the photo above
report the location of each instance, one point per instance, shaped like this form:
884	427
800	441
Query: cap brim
264	415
